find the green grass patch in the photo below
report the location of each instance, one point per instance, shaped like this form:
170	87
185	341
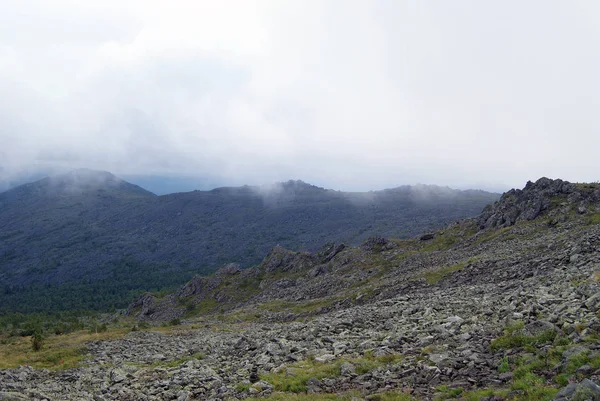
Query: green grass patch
437	275
534	387
512	339
305	397
241	315
242	387
448	238
532	368
391	396
479	394
532	390
448	393
206	306
491	235
295	377
348	396
441	242
593	218
504	365
297	307
58	351
561	379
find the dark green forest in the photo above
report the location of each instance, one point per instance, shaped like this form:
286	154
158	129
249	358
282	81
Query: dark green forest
90	241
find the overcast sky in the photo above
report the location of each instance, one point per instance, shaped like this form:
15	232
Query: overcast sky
353	95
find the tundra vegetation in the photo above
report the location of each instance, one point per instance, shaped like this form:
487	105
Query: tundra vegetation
502	306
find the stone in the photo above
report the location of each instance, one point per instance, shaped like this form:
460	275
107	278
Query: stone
585	370
536	328
230	269
253	378
455	319
465	336
584	391
438	358
12	396
574	351
347	369
593	302
524	270
324	358
117	376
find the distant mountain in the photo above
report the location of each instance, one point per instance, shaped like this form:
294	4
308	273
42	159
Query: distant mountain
89	240
164	184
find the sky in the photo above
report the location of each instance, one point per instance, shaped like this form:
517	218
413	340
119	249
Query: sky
344	94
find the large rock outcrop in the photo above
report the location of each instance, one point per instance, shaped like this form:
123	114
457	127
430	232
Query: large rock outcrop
543	197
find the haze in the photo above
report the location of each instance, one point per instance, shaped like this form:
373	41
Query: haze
351	95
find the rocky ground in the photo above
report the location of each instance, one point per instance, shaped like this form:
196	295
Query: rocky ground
504	307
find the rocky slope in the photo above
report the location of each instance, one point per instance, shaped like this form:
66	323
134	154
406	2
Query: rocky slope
88	240
491	308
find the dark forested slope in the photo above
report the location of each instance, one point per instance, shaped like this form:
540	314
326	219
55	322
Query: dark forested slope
90	240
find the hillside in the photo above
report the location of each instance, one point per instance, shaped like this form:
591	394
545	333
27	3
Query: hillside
503	306
512	228
89	240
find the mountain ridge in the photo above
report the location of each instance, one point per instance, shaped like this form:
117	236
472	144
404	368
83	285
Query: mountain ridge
107	232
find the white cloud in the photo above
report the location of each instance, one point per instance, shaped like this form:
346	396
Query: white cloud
347	94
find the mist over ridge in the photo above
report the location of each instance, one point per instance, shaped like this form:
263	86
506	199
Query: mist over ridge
91	228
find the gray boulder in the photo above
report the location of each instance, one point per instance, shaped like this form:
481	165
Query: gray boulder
587	390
